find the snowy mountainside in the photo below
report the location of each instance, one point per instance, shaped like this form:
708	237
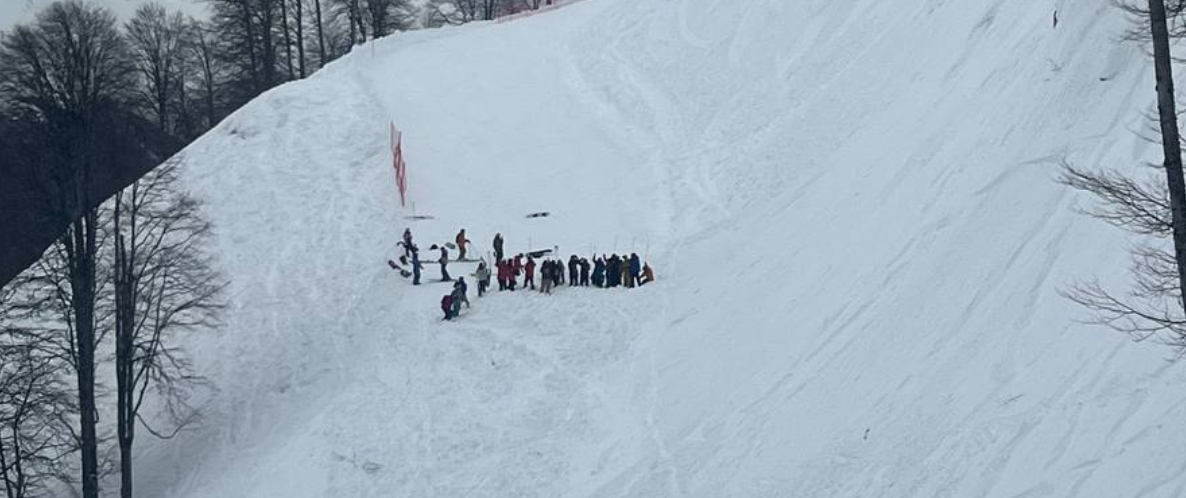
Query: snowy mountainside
851	207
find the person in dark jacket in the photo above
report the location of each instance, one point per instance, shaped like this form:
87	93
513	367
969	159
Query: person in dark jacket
599	272
584	264
415	266
557	273
613	271
574	272
635	269
408	246
444	261
497	247
463	292
545	277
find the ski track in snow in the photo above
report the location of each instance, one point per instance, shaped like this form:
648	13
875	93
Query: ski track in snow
851	208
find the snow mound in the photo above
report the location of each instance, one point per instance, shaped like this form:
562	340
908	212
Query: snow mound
850	207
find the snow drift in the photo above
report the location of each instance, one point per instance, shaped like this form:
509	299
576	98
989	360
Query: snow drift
851	207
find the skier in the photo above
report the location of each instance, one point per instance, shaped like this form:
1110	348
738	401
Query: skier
447	306
584	272
461	242
444	260
529	273
415	265
648	275
483	275
574	276
408	247
599	272
498	247
635	269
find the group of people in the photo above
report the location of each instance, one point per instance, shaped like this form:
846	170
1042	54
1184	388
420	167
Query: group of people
607	272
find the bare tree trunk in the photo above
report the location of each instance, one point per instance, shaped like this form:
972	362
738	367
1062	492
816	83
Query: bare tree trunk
320	35
300	34
1170	141
287	39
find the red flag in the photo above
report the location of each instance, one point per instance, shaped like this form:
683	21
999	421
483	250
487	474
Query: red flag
401	169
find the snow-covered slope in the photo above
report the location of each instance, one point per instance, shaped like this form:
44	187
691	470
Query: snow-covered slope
851	209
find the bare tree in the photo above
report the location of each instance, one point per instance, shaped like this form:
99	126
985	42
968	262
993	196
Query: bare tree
69	67
164	285
157	39
36	408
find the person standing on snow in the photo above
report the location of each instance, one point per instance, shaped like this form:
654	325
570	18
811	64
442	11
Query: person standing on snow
462	292
529	274
502	274
498	247
574	272
625	278
584	272
599	271
444	261
407	242
447	306
415	266
456	301
461	242
483	275
635	269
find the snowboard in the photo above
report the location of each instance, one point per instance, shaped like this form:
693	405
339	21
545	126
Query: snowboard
402	272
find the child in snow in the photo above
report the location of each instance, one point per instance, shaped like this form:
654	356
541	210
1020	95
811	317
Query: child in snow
447	306
462	291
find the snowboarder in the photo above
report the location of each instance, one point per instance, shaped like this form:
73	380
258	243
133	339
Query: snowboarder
483	275
584	263
497	247
461	242
415	266
444	260
648	275
574	272
447	306
529	273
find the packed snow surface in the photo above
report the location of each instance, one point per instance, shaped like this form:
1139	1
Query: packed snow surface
851	208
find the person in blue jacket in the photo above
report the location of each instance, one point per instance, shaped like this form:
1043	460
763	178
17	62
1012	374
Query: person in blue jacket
635	270
415	266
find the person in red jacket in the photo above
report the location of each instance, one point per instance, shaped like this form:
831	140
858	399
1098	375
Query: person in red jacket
503	270
529	272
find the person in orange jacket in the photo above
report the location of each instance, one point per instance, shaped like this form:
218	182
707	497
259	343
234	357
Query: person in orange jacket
648	275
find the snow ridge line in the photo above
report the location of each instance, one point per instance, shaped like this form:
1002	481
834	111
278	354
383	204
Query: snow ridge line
528	13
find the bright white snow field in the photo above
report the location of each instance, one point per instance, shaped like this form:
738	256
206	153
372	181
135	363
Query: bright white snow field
851	207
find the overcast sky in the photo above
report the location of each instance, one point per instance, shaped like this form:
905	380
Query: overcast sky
20	11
